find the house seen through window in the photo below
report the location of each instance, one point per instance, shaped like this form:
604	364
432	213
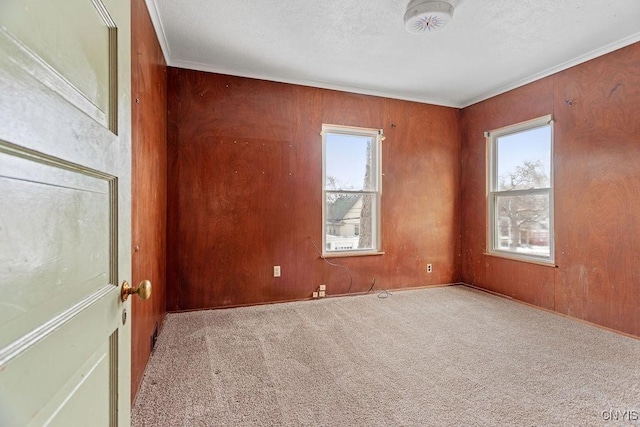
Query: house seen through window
351	189
520	190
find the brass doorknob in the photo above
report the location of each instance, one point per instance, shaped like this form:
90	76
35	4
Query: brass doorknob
143	290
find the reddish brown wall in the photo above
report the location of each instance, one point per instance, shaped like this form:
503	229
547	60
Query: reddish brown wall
149	184
245	191
597	188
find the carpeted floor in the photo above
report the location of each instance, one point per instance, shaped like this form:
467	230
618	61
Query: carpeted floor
433	357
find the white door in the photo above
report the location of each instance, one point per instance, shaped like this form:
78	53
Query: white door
64	212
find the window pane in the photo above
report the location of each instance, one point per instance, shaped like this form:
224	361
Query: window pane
349	159
522	224
349	221
524	159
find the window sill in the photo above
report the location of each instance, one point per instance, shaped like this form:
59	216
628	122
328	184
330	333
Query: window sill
350	254
522	259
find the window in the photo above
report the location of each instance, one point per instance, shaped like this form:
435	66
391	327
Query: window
351	189
520	196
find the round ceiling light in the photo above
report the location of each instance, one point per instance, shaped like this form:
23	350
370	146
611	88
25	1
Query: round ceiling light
428	16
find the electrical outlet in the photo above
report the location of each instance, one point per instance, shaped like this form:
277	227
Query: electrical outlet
321	294
323	288
315	294
276	271
429	268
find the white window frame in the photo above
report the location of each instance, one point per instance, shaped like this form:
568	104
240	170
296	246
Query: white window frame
493	247
377	136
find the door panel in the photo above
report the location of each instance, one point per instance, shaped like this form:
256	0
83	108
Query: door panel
77	46
89	398
48	377
71	209
65	212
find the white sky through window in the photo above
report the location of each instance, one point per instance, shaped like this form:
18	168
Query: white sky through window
346	160
532	145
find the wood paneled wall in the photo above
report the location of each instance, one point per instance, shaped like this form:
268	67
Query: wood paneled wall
596	108
149	182
244	191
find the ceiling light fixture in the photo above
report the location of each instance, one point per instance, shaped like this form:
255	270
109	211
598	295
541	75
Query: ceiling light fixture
427	16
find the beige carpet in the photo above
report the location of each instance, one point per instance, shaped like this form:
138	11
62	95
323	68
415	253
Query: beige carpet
434	357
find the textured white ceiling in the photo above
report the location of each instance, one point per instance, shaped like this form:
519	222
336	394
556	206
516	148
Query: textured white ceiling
361	46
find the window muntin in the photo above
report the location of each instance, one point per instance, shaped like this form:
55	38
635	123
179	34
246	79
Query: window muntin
351	189
520	196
